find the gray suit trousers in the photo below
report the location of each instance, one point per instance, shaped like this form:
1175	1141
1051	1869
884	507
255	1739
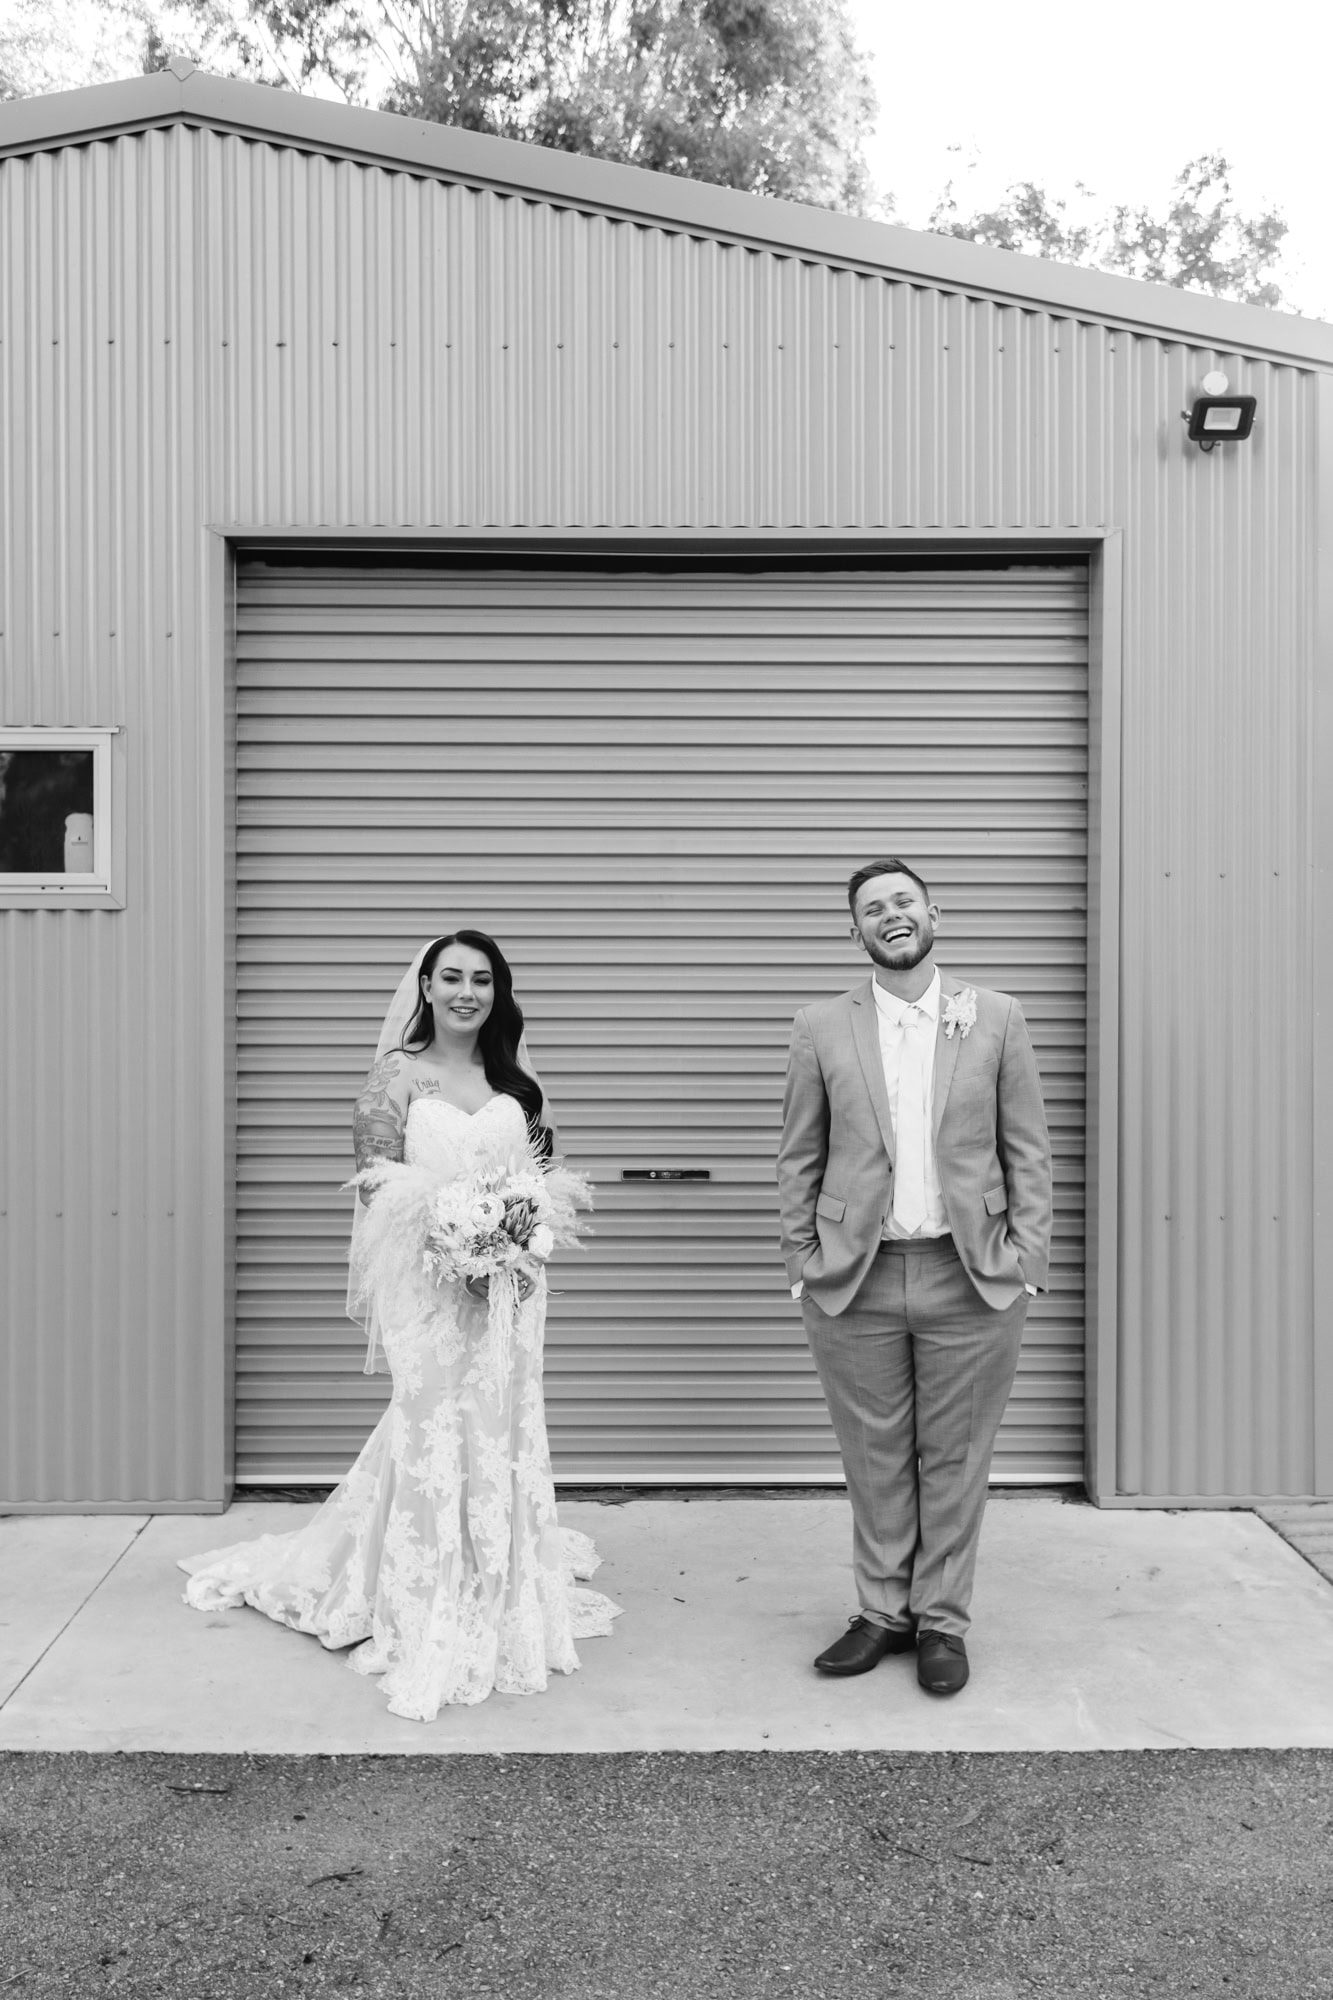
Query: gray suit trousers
916	1373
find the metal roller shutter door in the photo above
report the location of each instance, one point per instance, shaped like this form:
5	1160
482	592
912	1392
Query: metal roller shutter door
651	788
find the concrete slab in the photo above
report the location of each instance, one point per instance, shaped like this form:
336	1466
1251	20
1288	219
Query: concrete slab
48	1570
1308	1526
1094	1631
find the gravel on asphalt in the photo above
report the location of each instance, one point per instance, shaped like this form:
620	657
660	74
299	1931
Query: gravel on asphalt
669	1876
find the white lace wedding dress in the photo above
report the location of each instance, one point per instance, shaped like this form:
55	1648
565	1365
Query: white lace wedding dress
439	1552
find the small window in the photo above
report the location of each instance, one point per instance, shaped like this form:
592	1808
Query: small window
55	815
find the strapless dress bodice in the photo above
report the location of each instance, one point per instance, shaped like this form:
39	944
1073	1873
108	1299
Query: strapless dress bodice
448	1142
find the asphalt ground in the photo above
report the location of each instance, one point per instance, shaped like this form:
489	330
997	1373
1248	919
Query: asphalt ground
957	1876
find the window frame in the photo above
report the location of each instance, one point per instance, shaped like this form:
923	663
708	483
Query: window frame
101	888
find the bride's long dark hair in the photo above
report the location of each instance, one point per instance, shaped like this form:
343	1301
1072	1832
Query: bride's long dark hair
499	1037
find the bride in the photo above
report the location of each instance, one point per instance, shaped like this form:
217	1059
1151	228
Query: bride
439	1552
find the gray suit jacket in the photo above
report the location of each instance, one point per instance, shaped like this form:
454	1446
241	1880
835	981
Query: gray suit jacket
835	1162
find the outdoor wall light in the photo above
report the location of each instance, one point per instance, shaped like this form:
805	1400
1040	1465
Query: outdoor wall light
1216	418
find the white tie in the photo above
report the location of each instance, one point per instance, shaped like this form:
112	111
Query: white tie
909	1176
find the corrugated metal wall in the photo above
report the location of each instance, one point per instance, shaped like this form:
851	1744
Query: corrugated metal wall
650	786
199	328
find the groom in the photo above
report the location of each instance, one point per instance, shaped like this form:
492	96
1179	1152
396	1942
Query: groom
914	1181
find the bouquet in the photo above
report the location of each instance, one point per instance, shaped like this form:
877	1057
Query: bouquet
505	1222
494	1228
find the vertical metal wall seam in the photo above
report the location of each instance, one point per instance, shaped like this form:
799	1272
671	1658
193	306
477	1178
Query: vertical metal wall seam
1318	904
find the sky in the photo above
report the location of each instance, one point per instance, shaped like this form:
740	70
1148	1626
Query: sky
1118	98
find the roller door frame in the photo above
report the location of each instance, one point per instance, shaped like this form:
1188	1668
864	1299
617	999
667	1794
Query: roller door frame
1101	550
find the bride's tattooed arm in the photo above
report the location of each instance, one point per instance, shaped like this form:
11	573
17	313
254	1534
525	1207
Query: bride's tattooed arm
380	1118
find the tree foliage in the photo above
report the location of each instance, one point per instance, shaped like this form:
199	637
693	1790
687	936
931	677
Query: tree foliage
767	95
45	46
1202	242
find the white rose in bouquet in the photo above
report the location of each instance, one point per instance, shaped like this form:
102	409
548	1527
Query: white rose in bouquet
542	1242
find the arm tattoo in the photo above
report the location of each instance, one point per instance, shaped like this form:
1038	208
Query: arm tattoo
377	1122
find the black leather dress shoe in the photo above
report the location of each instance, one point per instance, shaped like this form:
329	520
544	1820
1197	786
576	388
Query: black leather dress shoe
941	1662
862	1646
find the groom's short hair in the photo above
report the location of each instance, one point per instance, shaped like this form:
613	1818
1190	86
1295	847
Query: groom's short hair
893	866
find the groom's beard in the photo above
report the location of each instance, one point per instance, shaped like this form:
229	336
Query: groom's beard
901	957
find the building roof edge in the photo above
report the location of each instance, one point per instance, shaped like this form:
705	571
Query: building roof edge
181	94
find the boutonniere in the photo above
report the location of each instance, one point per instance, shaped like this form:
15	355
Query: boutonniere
960	1011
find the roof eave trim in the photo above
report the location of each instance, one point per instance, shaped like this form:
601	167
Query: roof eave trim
632	194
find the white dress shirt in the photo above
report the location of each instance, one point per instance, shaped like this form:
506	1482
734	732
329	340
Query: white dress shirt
892	1014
